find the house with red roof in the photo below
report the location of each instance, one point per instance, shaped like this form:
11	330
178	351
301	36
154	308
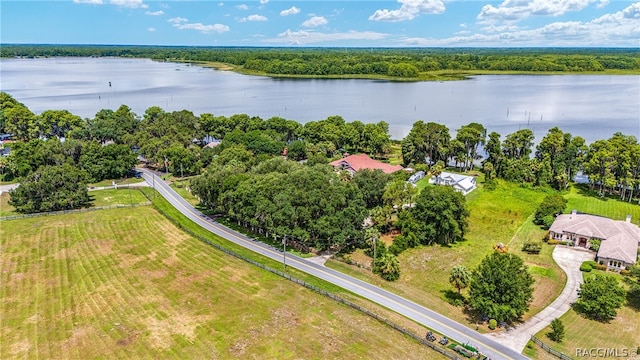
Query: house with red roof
355	163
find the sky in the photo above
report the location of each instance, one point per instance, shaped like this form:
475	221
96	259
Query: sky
401	23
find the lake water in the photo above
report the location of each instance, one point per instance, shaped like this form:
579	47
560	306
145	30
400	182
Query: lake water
592	106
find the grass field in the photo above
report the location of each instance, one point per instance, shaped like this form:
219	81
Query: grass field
5	208
124	181
495	216
581	199
126	283
621	333
120	196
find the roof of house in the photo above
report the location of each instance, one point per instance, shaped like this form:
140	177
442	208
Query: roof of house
362	161
466	184
621	238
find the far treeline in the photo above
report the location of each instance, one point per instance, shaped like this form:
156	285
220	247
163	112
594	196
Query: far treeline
392	63
246	175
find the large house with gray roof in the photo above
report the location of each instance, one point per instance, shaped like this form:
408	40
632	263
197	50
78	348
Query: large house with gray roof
619	240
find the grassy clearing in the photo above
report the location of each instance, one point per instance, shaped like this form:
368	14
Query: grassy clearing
126	283
495	216
123	181
583	200
120	196
5	208
621	333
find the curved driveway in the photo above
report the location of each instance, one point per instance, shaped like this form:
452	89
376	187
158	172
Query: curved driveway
569	260
439	323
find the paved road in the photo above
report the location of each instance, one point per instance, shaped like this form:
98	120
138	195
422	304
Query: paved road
490	347
569	259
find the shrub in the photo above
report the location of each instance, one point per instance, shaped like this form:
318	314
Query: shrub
601	267
585	267
591	263
594	245
625	272
563	243
492	324
553	242
557	333
532	247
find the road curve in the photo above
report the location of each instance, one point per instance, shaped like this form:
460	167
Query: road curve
409	309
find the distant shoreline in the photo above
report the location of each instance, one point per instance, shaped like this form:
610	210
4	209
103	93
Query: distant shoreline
389	64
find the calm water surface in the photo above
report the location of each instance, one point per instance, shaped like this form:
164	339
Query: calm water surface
592	106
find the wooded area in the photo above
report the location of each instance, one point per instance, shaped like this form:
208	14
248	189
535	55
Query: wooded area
393	63
272	175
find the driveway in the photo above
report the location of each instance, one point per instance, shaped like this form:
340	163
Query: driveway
569	259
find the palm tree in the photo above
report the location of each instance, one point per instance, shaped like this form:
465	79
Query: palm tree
460	277
388	266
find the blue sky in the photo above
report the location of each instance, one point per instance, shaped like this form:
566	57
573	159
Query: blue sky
428	23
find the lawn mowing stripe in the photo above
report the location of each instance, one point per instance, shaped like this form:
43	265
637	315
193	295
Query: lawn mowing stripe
85	281
125	293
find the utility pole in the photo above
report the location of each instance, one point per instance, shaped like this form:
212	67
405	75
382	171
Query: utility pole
375	238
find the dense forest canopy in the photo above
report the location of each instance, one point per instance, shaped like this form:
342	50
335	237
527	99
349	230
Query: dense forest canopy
401	63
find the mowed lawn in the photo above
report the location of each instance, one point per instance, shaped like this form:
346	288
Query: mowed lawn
495	217
623	332
127	284
578	198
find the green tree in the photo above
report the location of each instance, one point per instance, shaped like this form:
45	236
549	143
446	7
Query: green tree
372	186
557	330
550	206
58	123
599	297
471	136
51	188
387	266
501	287
460	277
440	215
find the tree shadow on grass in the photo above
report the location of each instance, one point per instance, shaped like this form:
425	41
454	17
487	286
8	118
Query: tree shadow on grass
633	300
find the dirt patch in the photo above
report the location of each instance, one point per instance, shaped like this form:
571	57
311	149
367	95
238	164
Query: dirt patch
388	237
180	323
20	348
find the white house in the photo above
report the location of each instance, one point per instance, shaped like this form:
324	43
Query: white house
461	183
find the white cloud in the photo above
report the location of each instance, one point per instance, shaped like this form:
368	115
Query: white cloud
615	29
151	29
242	7
154	13
177	20
220	4
132	4
183	24
303	37
409	10
516	10
291	11
92	2
315	21
263	2
254	18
